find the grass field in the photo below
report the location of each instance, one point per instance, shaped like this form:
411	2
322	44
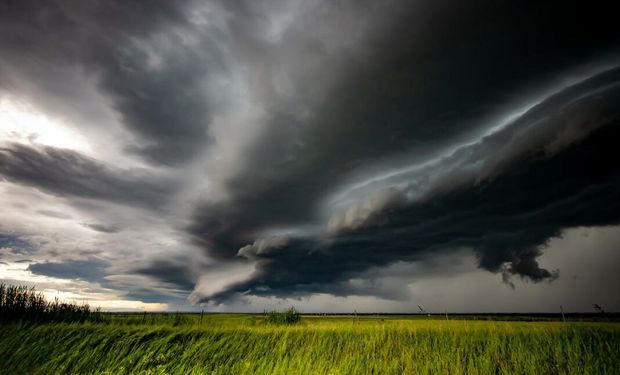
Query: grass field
244	344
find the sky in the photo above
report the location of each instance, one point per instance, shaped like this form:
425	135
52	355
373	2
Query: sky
334	156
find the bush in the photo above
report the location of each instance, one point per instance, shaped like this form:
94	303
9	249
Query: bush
290	316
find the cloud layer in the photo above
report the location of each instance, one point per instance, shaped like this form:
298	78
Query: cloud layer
220	151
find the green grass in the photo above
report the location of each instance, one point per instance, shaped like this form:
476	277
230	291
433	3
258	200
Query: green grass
245	344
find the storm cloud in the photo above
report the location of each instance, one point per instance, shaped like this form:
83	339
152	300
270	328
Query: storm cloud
500	223
410	113
91	269
230	150
67	173
144	58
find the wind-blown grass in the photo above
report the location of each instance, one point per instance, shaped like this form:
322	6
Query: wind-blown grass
245	344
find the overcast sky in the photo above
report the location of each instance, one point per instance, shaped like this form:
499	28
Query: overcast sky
330	155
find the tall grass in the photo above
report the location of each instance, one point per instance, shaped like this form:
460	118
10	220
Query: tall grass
246	344
20	303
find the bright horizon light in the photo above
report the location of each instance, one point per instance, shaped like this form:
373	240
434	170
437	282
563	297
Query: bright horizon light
19	123
105	301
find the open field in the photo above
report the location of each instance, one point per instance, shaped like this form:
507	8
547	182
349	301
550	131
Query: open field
245	344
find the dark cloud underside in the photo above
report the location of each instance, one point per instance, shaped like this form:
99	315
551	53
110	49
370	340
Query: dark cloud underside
505	220
426	78
424	82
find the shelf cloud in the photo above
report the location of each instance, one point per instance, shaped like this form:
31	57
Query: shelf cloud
275	150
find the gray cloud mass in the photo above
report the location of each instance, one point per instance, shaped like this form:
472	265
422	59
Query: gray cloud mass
244	150
67	173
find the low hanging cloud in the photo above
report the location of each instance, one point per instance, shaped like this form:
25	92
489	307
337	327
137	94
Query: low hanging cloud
484	208
364	119
525	264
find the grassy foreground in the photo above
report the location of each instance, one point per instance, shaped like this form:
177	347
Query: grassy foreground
244	344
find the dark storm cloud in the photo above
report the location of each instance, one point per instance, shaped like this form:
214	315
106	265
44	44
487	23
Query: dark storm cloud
69	174
274	108
426	78
423	80
524	263
498	220
565	176
177	274
92	270
139	53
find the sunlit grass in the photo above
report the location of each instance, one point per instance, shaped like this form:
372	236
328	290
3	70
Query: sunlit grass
245	344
